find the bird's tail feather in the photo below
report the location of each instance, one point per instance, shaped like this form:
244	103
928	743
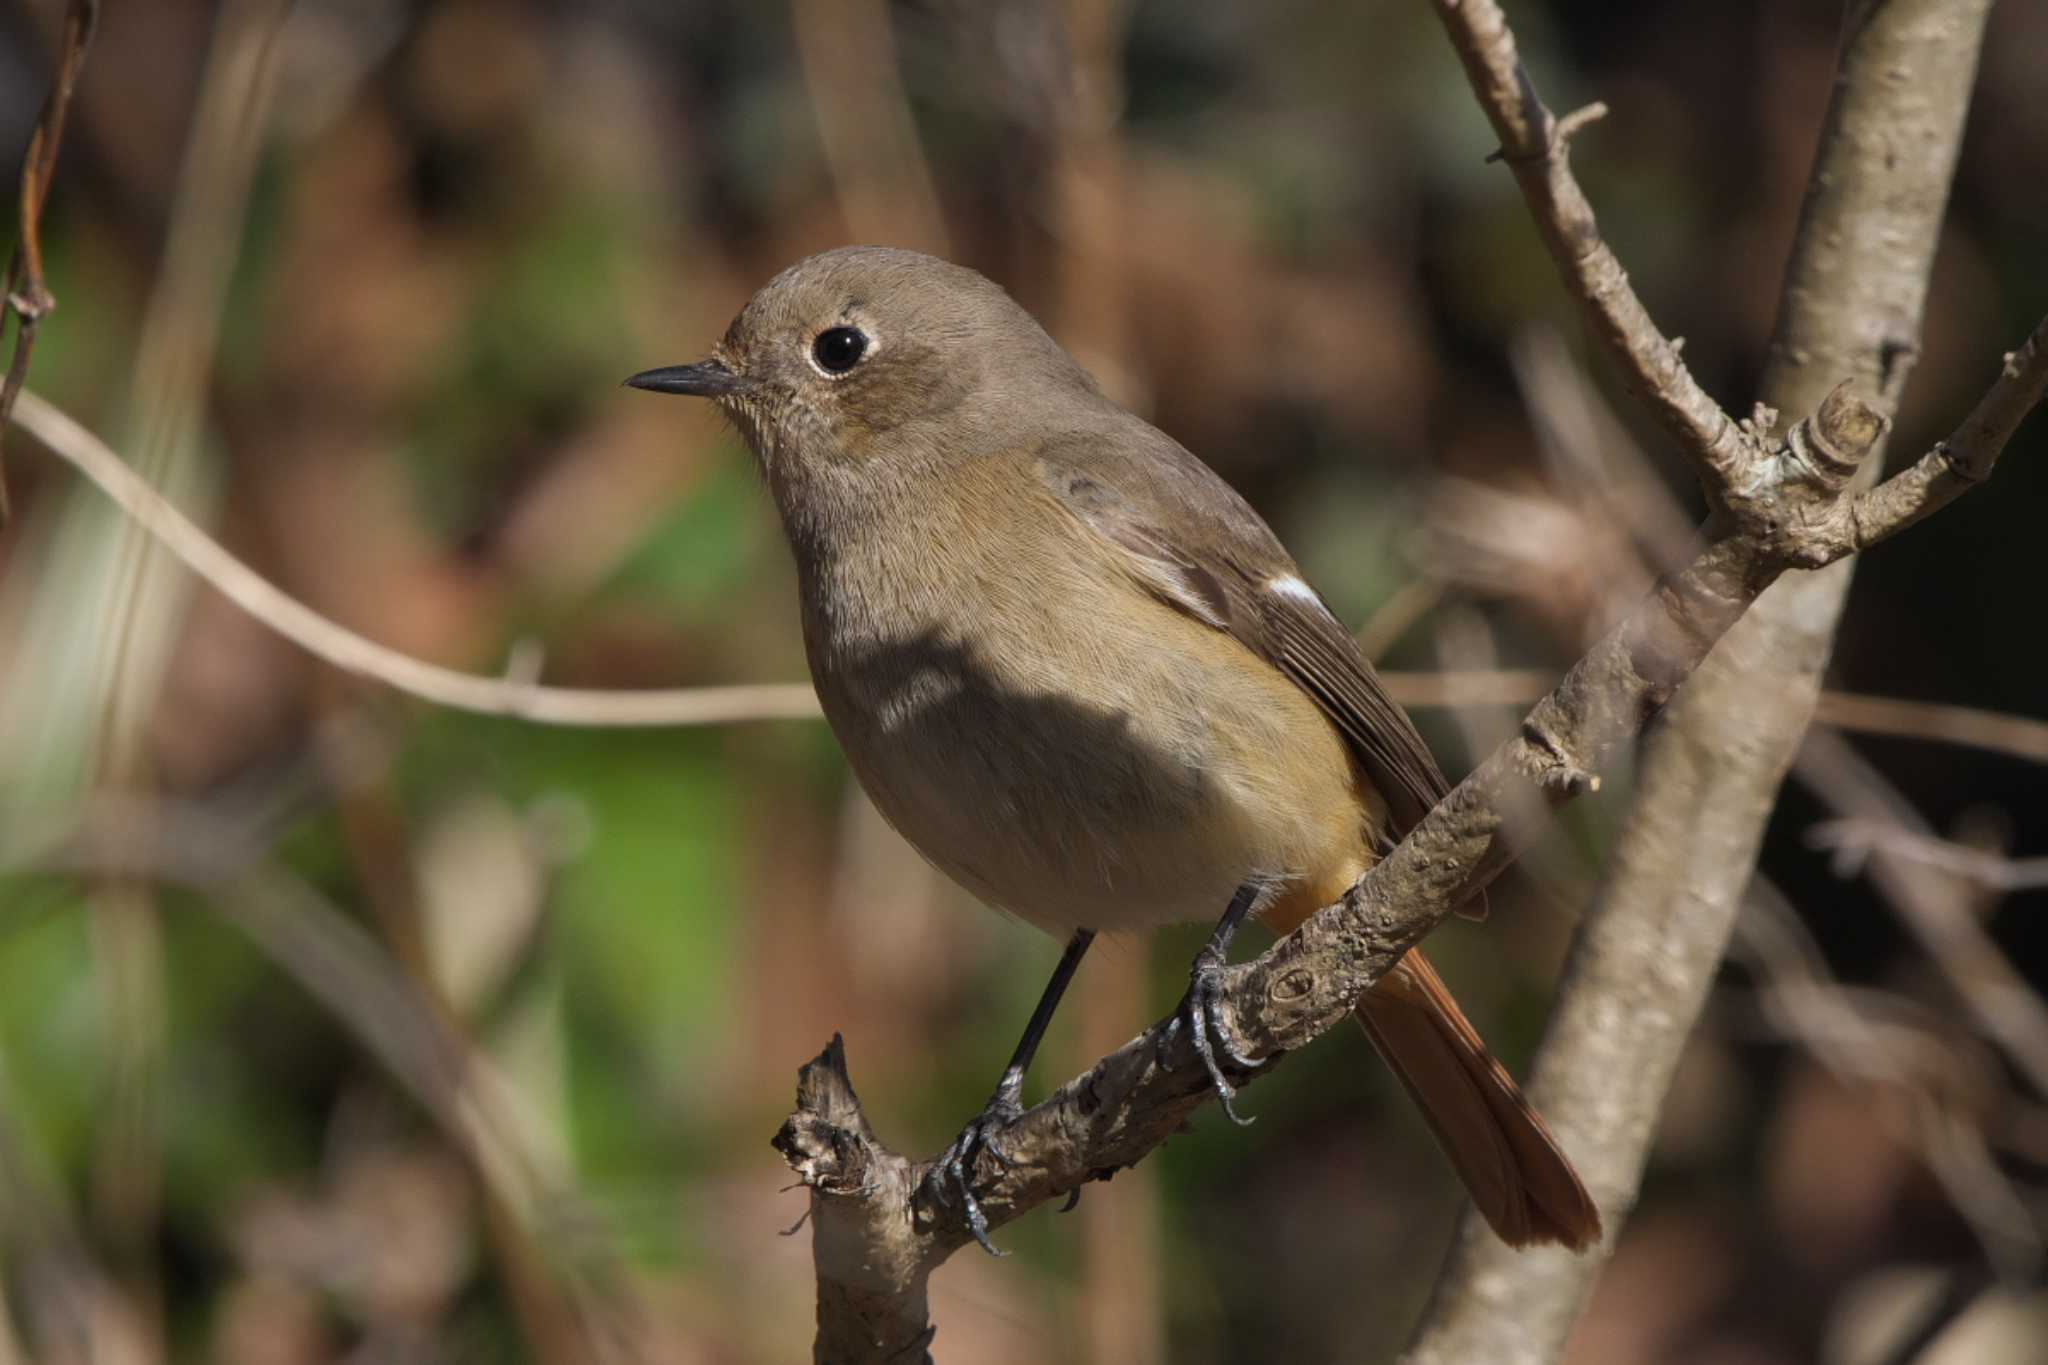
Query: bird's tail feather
1521	1181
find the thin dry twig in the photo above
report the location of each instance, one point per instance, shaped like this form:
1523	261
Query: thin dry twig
28	293
1589	450
1993	731
1535	145
1397	615
1968	727
1984	979
353	653
1950	469
1866	1038
1854	841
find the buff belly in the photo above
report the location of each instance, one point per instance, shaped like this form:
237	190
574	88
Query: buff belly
1130	769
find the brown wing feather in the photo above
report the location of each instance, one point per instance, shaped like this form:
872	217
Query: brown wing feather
1308	644
1199	546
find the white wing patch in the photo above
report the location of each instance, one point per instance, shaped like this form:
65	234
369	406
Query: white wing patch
1287	585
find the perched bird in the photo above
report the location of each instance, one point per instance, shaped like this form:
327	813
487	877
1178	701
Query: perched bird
1076	670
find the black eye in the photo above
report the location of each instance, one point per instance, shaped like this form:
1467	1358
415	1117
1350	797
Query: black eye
839	349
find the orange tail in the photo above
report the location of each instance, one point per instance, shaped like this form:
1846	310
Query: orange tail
1519	1179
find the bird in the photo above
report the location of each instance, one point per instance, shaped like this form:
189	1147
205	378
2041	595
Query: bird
1075	670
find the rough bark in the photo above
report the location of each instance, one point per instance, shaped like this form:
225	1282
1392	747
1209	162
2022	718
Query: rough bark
1710	769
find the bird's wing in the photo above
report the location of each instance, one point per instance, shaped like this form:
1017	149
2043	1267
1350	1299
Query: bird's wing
1191	541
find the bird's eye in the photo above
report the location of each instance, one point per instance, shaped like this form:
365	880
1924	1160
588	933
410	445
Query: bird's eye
839	349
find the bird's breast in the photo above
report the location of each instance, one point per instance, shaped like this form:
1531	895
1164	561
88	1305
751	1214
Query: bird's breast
1063	744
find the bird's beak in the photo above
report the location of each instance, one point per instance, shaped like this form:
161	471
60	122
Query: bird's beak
705	379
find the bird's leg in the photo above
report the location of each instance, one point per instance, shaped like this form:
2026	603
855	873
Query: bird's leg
1205	994
954	1169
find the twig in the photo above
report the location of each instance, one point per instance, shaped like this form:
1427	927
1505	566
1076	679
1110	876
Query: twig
1954	466
2005	1007
1589	451
1581	439
353	653
1398	614
1854	1041
2020	736
1536	145
28	293
1855	840
1970	727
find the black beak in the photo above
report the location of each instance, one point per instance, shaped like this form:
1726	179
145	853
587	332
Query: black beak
705	379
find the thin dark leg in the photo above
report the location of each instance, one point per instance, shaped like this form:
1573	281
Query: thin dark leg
954	1170
1041	1017
1205	996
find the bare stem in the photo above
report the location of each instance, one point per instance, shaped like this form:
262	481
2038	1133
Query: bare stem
28	293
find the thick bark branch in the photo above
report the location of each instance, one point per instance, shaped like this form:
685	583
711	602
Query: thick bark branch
1709	774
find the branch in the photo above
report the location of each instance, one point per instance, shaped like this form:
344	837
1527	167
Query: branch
1854	839
1648	947
876	1241
1957	465
1535	146
28	294
1870	1038
1986	984
1970	727
352	653
2020	737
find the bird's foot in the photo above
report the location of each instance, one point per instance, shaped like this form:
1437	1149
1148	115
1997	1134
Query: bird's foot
951	1177
1202	1011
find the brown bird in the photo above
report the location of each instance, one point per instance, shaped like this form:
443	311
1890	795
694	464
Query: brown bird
1076	670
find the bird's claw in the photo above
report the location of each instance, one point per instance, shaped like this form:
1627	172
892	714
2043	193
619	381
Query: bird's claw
1202	1010
953	1171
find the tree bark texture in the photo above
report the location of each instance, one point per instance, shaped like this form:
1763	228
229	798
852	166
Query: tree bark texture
1710	768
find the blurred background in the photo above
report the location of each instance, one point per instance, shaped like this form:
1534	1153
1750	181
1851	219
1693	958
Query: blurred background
335	1026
